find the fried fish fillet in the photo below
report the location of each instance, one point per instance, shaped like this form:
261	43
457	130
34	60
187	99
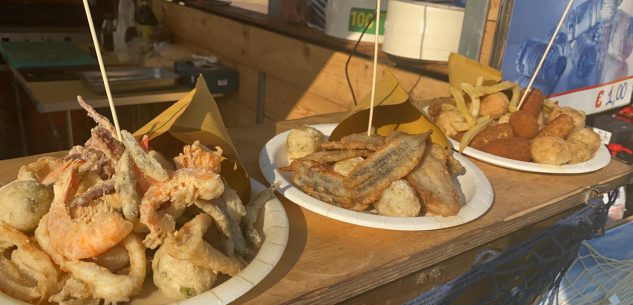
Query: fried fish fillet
432	181
323	183
356	141
331	156
400	154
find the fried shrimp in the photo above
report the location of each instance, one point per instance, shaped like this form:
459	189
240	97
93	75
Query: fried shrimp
125	185
29	274
200	156
39	169
188	244
77	239
114	287
186	185
393	161
148	165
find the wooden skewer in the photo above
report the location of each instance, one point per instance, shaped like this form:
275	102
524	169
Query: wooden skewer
549	45
373	75
95	41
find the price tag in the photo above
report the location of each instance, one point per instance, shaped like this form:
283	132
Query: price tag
605	136
360	17
614	94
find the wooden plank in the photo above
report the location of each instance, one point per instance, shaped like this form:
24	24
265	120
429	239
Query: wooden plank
302	65
493	10
283	101
488	42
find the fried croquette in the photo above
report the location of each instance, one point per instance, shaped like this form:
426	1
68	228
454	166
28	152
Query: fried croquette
577	116
580	152
399	199
494	105
492	133
524	124
516	148
550	150
588	137
303	141
560	127
533	103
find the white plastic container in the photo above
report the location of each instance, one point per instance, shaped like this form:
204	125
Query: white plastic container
347	19
422	30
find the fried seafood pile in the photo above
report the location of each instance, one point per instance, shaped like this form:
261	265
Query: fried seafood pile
399	175
84	229
484	118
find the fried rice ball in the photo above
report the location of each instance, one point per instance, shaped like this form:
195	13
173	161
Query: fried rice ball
533	103
577	116
550	150
516	148
444	120
399	199
586	136
303	141
494	105
560	127
580	152
492	133
23	203
524	124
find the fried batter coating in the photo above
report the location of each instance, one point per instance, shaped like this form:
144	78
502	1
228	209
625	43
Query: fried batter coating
492	133
533	103
561	127
524	124
433	183
329	156
356	141
550	150
586	136
180	279
23	203
322	183
580	152
399	199
516	148
303	141
578	116
346	166
393	161
494	105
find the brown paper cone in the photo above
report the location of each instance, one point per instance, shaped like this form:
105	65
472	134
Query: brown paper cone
196	117
392	111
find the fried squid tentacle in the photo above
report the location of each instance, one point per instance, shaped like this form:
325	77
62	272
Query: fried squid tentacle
98	190
393	161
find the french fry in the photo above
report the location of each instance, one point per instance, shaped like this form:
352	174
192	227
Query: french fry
475	103
479	81
514	101
472	132
485	90
461	105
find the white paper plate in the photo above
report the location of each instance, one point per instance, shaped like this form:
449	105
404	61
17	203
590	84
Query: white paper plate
274	225
475	188
601	158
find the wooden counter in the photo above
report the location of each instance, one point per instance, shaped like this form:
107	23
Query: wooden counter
328	261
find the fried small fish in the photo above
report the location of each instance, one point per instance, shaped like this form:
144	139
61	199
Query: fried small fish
400	154
356	141
323	183
432	181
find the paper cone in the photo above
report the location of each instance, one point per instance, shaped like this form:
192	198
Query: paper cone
196	117
392	111
462	69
